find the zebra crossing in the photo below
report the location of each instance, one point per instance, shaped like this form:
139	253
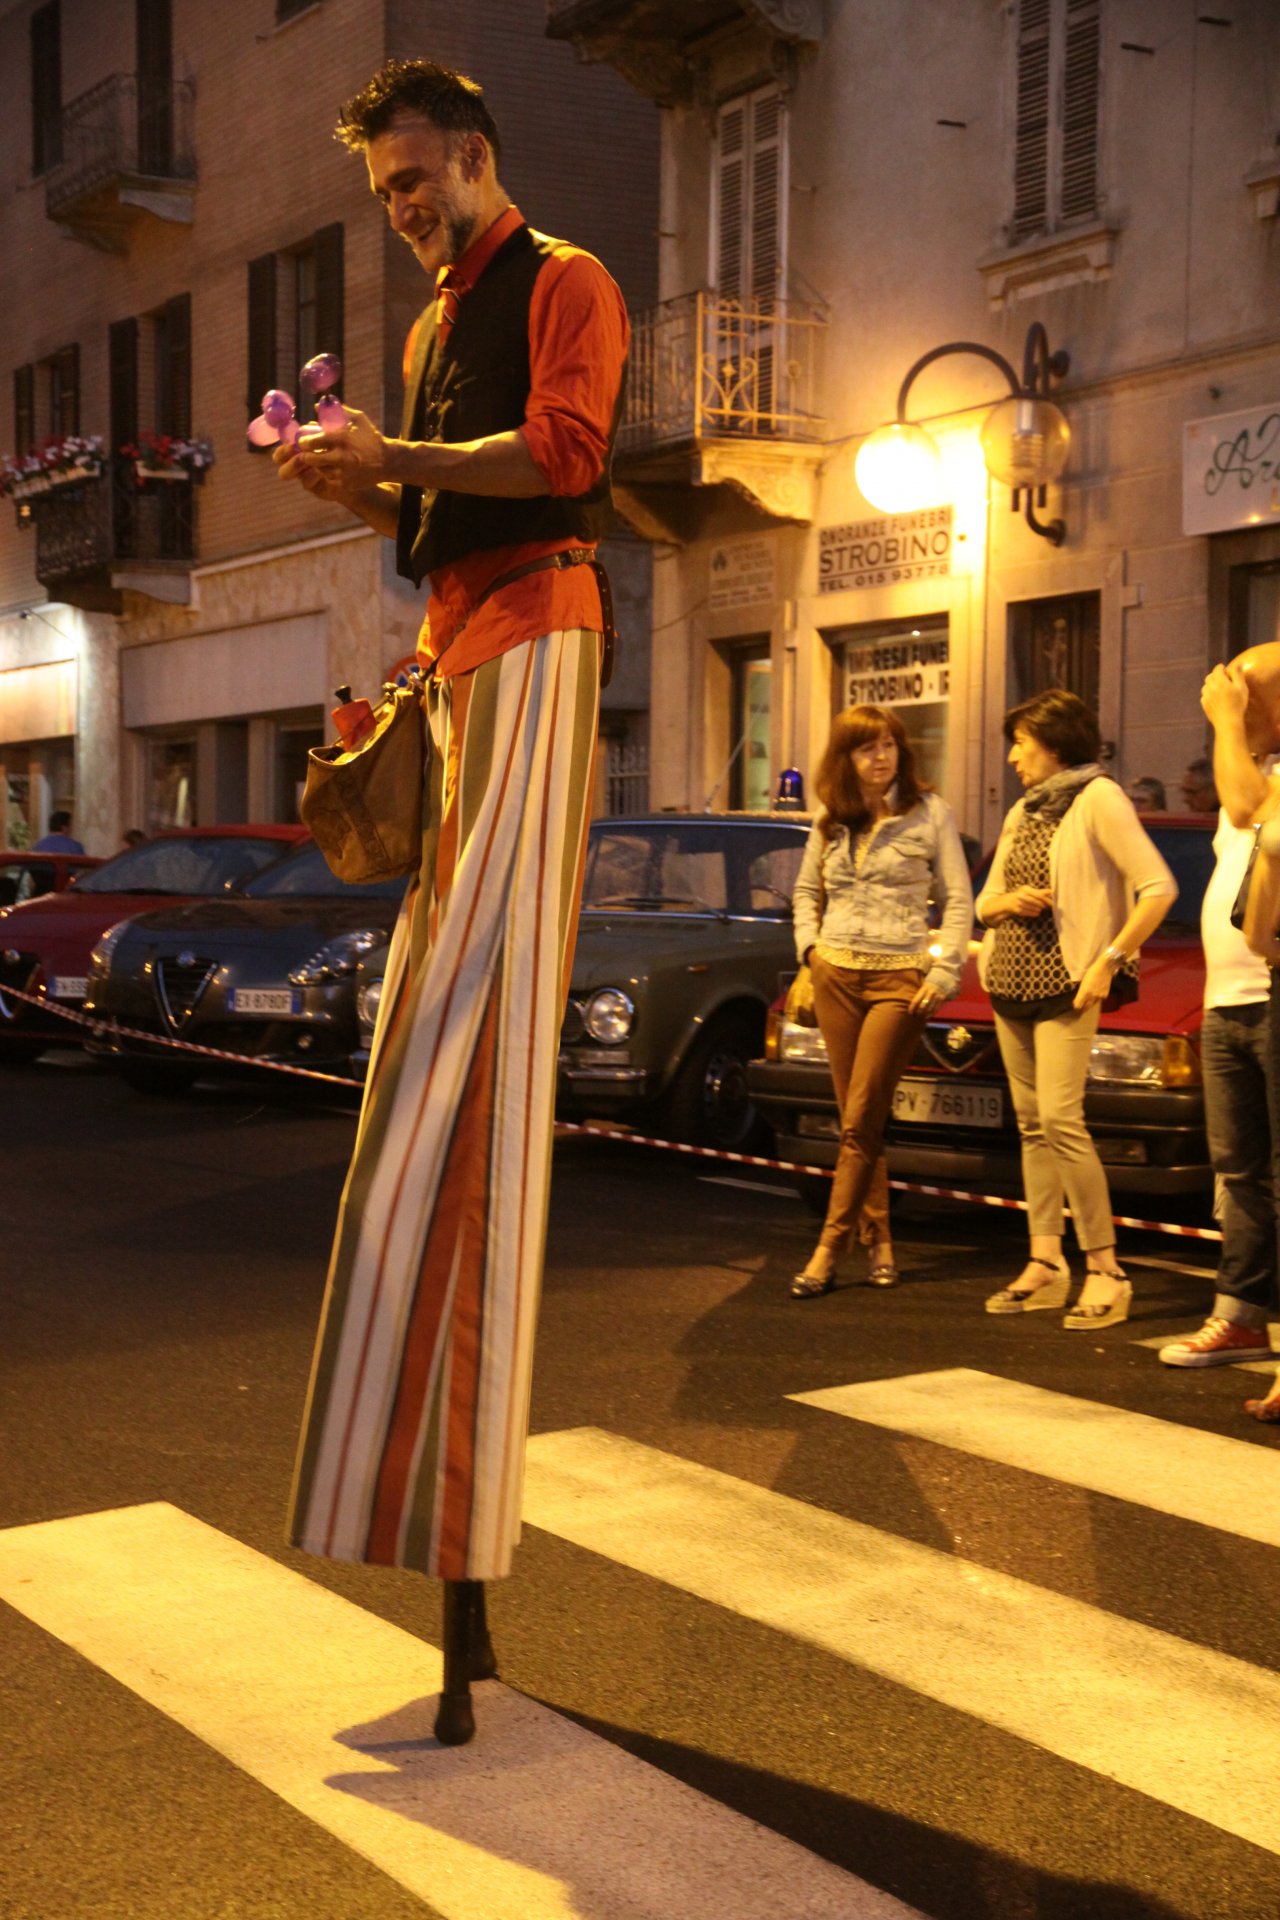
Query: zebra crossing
329	1707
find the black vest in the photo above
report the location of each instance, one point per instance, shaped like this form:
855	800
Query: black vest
475	385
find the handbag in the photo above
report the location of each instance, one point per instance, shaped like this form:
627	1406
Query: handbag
1261	917
364	805
800	1009
1240	910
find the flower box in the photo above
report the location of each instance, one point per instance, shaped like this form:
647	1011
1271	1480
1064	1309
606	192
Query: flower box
38	483
145	473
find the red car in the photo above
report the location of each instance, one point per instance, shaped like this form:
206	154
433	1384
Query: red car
953	1119
24	875
45	943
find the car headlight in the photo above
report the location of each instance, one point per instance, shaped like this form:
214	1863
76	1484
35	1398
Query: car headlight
338	956
609	1015
801	1043
368	1000
1143	1060
100	958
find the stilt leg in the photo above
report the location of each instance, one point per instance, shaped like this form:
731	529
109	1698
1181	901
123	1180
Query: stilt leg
455	1718
484	1661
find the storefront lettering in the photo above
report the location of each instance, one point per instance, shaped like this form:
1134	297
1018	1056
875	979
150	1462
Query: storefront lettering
873	553
1231	470
1248	458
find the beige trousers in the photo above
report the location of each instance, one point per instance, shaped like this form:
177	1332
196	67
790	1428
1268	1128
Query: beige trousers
1046	1062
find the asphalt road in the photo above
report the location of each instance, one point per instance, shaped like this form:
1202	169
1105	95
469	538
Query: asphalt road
1021	1664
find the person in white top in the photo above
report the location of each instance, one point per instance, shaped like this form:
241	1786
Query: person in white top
1234	1043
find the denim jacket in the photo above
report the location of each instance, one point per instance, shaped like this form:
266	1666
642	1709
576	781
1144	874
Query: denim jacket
915	858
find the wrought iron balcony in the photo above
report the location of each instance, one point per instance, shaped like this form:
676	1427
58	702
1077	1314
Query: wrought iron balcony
126	153
93	539
704	368
720	393
662	46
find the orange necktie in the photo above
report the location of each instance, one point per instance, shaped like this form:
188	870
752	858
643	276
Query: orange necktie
450	298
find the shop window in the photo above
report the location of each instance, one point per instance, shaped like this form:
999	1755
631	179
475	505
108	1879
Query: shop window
293	744
171	783
751	718
1055	166
1055	643
905	667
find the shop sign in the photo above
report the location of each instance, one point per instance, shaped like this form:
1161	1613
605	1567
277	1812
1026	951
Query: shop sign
905	671
1231	470
741	576
885	552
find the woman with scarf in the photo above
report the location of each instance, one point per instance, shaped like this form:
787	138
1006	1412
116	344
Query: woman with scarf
883	847
1075	887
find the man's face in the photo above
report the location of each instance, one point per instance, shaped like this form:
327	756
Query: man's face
430	184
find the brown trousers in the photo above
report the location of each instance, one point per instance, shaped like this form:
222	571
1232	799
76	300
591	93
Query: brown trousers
870	1037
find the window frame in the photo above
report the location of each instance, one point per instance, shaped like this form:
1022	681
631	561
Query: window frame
754	106
1058	187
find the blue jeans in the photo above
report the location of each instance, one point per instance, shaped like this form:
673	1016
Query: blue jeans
1235	1044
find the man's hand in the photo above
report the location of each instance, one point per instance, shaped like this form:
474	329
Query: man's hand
291	466
354	459
1225	695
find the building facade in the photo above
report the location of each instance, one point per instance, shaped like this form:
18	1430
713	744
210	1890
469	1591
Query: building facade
184	232
846	188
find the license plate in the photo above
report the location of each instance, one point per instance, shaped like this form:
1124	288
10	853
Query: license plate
932	1103
70	986
263	1000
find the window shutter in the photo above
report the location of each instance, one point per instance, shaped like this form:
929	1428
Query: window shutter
64	395
1080	110
153	31
731	181
24	409
328	255
768	191
173	367
262	330
1031	137
46	87
122	360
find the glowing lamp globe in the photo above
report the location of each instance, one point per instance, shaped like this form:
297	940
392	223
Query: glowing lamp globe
1025	441
897	468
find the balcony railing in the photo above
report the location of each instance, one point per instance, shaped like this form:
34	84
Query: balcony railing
85	533
125	149
706	368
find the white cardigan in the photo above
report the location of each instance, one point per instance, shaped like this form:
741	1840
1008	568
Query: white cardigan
1100	860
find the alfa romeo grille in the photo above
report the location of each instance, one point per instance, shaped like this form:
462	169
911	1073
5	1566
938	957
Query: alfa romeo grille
179	985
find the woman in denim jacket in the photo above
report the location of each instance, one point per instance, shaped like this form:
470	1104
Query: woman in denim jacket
883	848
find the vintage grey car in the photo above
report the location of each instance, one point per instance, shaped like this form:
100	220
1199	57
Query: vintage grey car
684	940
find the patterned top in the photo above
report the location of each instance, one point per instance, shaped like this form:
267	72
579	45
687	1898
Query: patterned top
1027	976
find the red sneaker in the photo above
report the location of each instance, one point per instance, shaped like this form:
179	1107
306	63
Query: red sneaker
1218	1343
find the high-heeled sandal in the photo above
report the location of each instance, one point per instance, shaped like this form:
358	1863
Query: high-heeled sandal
883	1273
1096	1314
1052	1294
807	1286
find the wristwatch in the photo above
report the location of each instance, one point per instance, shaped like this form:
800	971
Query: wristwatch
1114	957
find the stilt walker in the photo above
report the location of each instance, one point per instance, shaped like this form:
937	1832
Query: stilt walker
412	1451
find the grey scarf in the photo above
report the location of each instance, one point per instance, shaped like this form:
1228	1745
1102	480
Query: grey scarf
1052	797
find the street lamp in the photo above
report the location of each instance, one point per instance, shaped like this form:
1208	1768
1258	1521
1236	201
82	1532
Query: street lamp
1025	439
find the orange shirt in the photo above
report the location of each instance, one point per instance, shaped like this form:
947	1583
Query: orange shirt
578	336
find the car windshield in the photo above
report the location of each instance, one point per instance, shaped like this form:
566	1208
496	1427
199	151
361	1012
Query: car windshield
307	872
693	867
23	880
199	864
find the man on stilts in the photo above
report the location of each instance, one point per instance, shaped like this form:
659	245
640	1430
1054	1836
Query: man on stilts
496	493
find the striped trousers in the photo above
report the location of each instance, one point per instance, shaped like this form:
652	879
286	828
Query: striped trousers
412	1450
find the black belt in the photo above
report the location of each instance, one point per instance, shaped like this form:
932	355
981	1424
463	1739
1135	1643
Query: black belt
557	562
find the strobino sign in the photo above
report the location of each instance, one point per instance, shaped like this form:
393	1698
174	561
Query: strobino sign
885	552
903	670
1231	471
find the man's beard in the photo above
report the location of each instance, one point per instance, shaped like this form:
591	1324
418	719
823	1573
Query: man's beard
458	229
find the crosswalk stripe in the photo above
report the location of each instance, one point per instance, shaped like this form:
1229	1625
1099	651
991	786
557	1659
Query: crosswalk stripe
1177	1722
1132	1456
330	1707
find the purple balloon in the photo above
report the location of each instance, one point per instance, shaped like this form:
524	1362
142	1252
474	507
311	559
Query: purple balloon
277	407
331	414
289	432
262	433
321	373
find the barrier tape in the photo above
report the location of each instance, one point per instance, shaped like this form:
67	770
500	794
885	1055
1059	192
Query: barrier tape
113	1030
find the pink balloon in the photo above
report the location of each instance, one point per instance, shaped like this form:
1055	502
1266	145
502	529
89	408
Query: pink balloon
321	373
277	407
331	414
262	433
289	432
